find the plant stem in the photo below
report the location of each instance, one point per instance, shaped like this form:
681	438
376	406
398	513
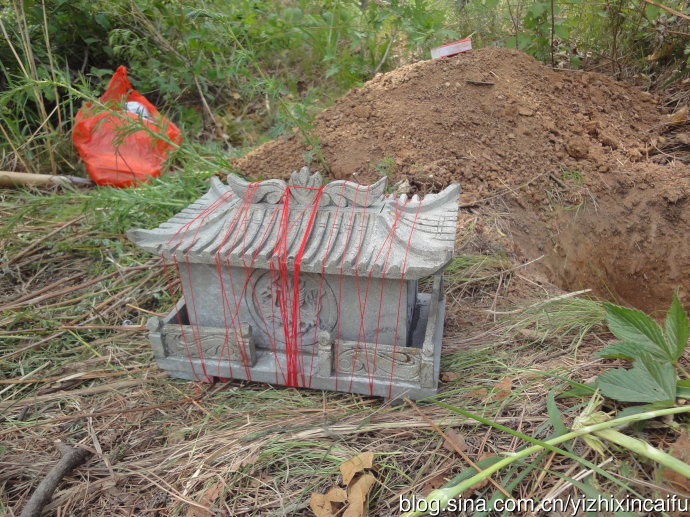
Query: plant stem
444	495
644	449
682	369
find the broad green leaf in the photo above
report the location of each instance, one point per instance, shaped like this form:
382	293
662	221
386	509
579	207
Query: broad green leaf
630	350
635	326
537	9
652	11
490	4
647	381
676	327
562	31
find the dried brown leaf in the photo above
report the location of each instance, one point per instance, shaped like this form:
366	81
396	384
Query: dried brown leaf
433	483
679	117
356	465
328	504
357	493
679	449
208	498
454	440
450	376
482	483
502	389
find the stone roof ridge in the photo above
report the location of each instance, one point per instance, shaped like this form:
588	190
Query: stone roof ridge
304	186
379	233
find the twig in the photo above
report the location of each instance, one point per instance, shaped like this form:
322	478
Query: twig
71	458
53	285
385	54
103	327
136	308
669	9
557	180
457	449
44	239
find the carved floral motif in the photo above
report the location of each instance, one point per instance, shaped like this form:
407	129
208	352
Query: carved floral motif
271	301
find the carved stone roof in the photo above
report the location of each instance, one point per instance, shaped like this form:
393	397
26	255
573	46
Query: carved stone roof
337	228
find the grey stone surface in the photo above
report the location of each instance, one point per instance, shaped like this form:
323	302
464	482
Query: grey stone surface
362	325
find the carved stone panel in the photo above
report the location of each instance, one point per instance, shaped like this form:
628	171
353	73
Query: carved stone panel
378	361
271	302
206	343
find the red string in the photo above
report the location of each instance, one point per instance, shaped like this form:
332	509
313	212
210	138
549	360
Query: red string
283	296
402	282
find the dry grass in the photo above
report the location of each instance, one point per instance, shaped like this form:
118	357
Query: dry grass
76	367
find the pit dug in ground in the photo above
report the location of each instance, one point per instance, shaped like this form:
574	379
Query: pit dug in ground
590	170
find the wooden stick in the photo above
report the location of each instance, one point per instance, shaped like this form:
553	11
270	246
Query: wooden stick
23	179
72	457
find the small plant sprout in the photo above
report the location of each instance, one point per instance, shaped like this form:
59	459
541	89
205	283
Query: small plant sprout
385	167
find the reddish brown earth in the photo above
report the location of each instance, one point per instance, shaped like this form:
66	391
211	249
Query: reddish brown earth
582	161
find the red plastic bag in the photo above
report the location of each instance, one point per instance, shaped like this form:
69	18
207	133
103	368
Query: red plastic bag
114	155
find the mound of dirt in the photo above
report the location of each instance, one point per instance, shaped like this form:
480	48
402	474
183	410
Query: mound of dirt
573	153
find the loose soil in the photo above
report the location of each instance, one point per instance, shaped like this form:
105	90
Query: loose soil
591	169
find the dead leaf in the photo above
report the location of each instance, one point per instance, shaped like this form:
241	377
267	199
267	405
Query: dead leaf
357	494
433	483
502	389
356	465
450	376
478	393
482	483
681	450
328	504
659	52
679	117
208	498
454	441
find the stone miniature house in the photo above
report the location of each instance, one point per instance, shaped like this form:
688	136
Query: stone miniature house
355	321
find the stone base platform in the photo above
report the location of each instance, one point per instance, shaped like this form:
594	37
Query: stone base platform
393	372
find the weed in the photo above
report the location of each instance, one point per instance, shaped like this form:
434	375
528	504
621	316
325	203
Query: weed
564	319
571	175
385	167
